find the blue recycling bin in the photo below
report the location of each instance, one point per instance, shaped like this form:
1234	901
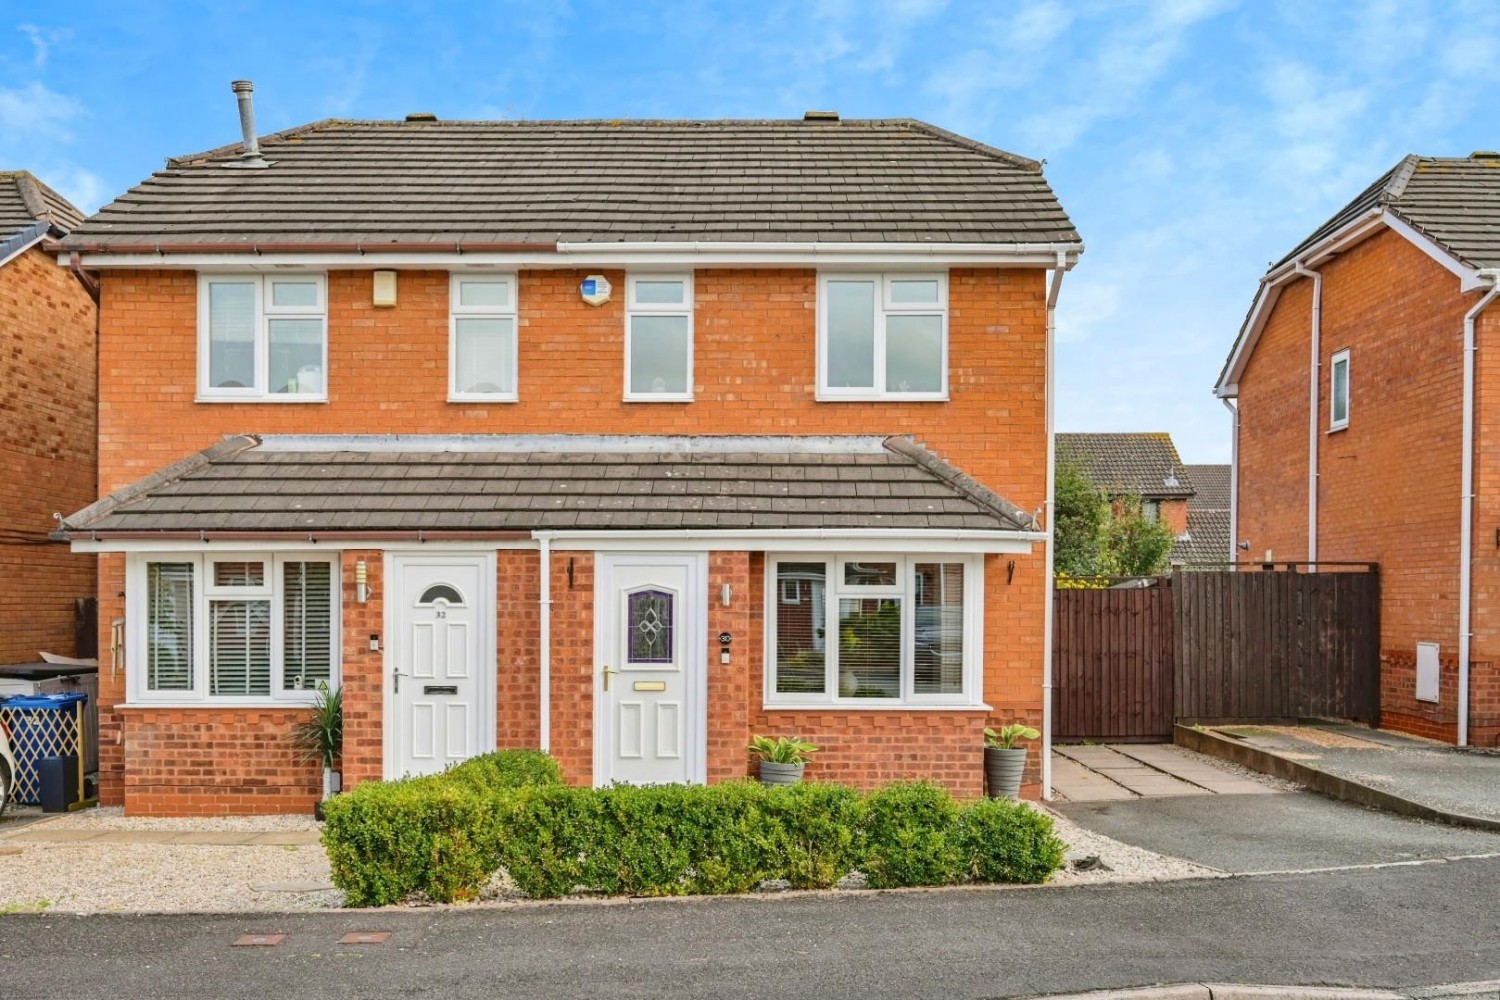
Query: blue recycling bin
42	726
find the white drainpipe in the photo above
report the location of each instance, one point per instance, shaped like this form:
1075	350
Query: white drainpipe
1313	381
1466	523
1232	405
544	640
1052	293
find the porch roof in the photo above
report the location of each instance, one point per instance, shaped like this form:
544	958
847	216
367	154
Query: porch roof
515	483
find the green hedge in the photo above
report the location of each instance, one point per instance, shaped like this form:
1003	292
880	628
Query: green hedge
434	834
446	835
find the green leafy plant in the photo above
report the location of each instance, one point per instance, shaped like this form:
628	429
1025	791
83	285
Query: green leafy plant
319	739
1005	841
815	833
782	750
1133	545
1006	738
1080	512
911	836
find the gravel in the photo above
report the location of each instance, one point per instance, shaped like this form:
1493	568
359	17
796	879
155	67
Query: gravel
1122	862
160	878
114	818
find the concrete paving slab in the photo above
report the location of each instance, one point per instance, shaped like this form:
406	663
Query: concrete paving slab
1077	783
1218	780
42	832
1287	831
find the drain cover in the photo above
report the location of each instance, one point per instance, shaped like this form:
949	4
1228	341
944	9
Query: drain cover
259	940
365	937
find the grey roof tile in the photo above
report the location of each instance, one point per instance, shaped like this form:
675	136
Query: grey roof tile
1144	464
538	183
25	201
286	484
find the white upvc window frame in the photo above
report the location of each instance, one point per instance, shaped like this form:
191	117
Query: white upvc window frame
457	311
1339	358
265	312
884	309
635	308
204	592
972	694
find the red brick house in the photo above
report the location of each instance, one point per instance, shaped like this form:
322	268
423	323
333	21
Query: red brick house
1366	389
47	431
624	439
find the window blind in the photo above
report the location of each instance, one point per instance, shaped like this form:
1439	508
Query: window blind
239	648
169	626
307	619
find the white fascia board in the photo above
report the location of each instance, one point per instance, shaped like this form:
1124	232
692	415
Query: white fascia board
799	540
1356	231
82	544
620	255
18	251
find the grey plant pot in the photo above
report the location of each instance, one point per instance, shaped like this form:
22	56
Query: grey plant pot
1002	772
780	774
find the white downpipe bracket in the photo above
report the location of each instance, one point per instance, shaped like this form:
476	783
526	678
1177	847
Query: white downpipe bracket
1314	380
1466	515
544	640
1047	581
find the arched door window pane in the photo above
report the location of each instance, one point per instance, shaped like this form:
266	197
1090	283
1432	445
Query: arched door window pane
441	592
649	619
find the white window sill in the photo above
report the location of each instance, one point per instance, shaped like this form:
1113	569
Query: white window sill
642	398
1339	427
279	398
873	706
889	397
498	397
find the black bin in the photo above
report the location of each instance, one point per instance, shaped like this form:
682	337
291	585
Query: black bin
58	777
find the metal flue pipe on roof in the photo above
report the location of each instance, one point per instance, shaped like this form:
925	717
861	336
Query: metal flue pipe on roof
250	156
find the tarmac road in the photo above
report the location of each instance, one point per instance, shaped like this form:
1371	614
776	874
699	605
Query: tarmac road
1403	925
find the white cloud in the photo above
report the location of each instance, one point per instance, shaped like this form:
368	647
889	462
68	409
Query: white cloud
33	109
42	40
81	186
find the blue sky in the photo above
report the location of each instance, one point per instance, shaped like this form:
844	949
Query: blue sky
1192	141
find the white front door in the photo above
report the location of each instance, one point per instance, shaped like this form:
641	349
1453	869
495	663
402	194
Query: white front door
442	682
650	679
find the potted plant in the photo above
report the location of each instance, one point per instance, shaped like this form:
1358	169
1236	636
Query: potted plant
1004	762
781	759
320	738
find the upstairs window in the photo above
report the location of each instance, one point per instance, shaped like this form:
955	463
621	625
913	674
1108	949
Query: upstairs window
482	338
1338	392
883	336
659	337
262	338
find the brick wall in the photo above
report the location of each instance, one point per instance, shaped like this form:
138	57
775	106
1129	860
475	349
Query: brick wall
755	350
47	445
1388	487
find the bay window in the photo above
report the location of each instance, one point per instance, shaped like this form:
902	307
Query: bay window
233	627
883	336
262	337
898	630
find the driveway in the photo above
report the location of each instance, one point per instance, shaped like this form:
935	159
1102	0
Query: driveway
1387	927
1186	805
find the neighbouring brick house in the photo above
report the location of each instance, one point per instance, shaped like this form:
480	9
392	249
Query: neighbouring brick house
625	439
1144	465
1207	541
47	430
1366	382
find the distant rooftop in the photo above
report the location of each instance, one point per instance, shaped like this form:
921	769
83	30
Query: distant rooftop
26	201
1142	463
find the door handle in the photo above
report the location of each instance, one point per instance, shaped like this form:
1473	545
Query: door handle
396	681
607	674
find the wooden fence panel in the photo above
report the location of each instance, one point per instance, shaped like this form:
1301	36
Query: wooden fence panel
1216	646
1112	664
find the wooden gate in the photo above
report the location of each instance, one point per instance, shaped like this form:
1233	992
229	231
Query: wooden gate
1112	664
1250	644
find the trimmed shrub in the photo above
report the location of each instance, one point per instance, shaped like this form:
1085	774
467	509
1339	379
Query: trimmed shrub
814	831
911	836
549	831
1005	841
435	834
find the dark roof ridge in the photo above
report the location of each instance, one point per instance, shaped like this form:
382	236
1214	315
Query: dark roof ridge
908	447
31	197
1400	177
1015	159
229	447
